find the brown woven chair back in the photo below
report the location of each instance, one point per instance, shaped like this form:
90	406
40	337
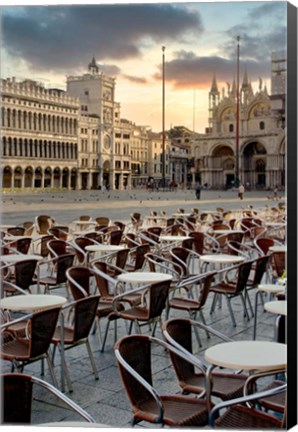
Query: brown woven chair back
24	273
140	255
264	243
57	247
279	262
102	221
42	328
130	238
156	231
64	262
180	330
101	282
23	245
43	223
85	218
16	231
84	315
235	236
44	250
261	266
188	243
242	276
198	241
82	242
81	275
121	258
59	232
182	254
115	237
17	392
132	349
170	222
158	295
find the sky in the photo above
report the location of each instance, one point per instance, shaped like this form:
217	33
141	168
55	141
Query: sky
50	42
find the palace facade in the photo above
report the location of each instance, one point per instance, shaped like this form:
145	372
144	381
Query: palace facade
76	139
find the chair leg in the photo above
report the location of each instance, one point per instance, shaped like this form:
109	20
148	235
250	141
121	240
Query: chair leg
244	306
231	311
249	302
204	322
92	360
105	336
51	369
65	371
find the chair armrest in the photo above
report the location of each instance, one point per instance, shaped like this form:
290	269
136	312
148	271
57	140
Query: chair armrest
120	297
259	395
16	321
144	383
64	398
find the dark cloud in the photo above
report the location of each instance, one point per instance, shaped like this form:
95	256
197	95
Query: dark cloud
62	38
135	79
189	71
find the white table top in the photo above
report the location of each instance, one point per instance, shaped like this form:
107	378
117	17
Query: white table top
278	307
144	277
11	238
278	248
226	231
82	232
248	355
6	226
175	215
32	302
104	248
222	258
86	222
173	238
12	258
271	288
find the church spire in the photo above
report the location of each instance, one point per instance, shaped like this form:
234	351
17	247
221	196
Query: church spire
214	88
92	67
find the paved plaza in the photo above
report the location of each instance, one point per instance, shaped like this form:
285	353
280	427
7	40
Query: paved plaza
104	398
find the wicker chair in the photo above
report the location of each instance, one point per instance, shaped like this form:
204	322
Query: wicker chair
43	223
60	247
233	289
102	221
19	351
21	273
18	392
278	261
16	231
133	355
154	298
178	332
76	333
80	283
57	276
238	416
40	245
192	305
263	244
60	232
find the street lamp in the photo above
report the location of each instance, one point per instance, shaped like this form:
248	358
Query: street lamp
163	121
237	180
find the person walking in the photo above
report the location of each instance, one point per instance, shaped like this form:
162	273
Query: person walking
198	191
241	191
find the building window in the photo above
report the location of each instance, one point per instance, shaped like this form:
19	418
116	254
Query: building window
262	125
231	128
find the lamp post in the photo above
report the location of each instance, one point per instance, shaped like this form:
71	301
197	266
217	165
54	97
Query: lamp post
163	121
237	180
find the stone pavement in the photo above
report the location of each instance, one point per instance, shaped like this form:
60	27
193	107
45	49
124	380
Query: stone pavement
105	399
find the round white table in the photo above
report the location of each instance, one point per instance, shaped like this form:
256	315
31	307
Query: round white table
226	231
222	259
173	238
104	248
278	307
143	277
269	289
32	302
13	258
181	215
4	227
248	355
278	248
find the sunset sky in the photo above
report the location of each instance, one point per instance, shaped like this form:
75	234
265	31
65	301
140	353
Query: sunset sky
49	43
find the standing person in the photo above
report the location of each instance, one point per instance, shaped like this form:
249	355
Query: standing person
241	191
275	193
198	191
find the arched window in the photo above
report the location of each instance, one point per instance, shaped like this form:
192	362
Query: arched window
231	128
262	125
